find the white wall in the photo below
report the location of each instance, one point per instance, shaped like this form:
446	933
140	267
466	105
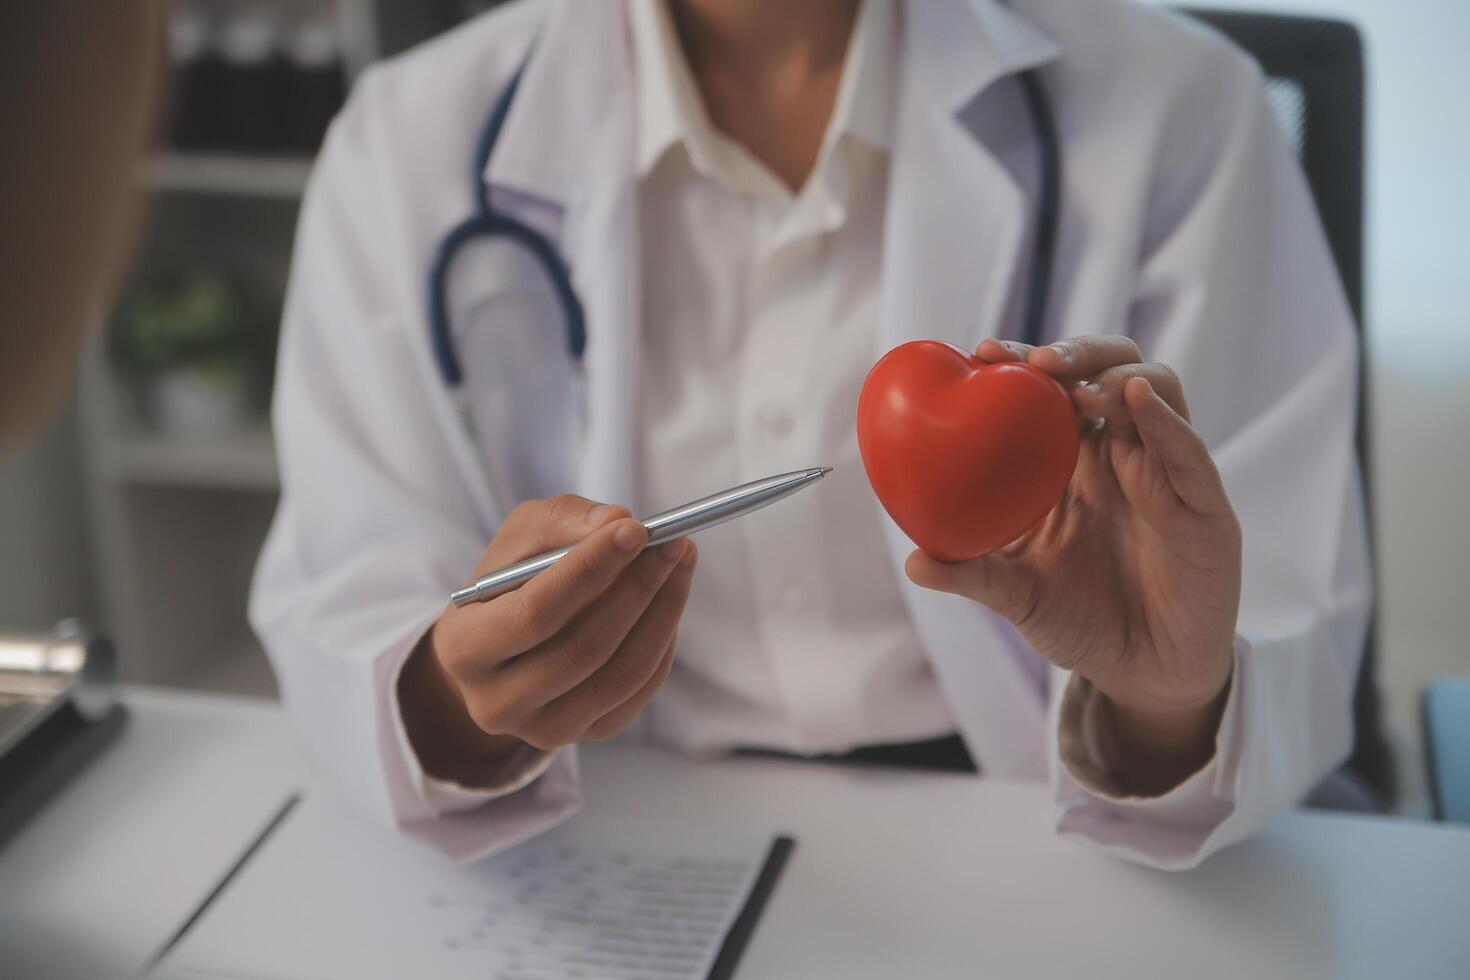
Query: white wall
1418	319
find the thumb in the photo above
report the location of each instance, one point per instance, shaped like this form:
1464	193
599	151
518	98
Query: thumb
994	580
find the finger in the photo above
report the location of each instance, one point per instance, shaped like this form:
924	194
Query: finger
1181	451
543	606
992	579
1101	399
637	657
625	673
622	716
994	351
1082	358
594	636
545	525
514	690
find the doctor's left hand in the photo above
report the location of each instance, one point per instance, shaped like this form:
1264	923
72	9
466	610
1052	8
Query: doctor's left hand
1133	580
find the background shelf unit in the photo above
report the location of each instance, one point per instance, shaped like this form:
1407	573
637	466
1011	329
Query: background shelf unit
176	524
235	175
246	461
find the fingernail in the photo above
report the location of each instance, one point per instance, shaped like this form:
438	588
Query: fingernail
598	515
1092	388
673	550
627	537
1061	351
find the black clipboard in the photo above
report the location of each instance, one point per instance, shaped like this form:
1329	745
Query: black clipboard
48	758
744	925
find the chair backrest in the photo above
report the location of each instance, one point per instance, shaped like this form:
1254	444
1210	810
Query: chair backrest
1314	73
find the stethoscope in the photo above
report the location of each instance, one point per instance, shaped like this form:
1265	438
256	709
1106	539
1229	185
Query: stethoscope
487	224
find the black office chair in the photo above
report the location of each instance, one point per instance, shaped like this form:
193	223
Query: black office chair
1314	71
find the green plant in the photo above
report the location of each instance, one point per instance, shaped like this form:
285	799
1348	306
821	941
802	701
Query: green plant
202	322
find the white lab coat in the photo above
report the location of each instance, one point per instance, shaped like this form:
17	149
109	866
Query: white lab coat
1186	224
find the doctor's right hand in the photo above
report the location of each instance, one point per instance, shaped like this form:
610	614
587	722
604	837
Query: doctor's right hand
572	655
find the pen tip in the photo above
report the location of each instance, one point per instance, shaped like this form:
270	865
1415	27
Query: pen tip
825	469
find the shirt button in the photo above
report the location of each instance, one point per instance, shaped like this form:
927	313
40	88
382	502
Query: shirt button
775	422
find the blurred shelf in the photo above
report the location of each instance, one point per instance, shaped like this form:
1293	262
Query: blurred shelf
177	524
231	174
237	666
246	461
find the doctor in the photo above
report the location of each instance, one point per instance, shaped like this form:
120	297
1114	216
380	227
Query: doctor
754	201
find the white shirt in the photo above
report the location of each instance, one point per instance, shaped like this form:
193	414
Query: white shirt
756	343
757	338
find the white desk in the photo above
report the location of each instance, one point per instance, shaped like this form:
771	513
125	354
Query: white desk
894	875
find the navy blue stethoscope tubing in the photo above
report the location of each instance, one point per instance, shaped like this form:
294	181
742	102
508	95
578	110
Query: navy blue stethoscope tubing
487	224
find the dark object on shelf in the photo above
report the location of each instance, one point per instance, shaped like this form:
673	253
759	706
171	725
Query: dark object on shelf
251	81
198	84
255	92
315	83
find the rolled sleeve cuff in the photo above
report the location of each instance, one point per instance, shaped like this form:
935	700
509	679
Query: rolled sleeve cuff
447	796
1167	830
539	791
442	796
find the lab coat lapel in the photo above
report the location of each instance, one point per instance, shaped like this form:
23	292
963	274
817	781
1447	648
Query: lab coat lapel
603	235
957	220
955	226
567	149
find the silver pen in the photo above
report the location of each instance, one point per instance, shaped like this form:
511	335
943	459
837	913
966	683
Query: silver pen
680	522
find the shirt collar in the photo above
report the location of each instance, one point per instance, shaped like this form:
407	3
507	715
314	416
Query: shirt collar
581	77
671	112
865	101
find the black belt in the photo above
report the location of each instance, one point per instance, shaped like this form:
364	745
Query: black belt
946	754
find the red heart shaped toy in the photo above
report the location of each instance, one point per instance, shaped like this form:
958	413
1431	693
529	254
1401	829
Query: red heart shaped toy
965	456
